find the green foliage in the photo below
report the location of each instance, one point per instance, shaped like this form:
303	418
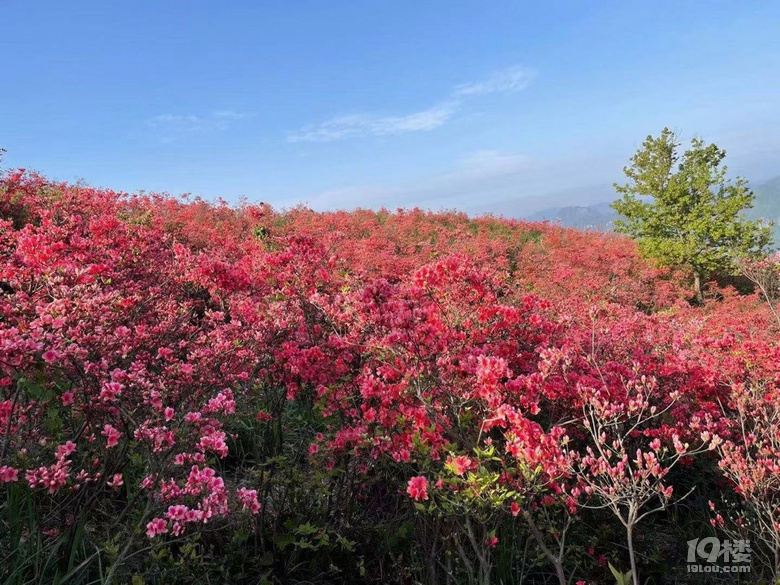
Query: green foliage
684	211
261	232
32	556
621	578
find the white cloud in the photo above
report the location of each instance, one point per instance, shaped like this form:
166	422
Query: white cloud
167	119
172	127
508	80
230	115
505	81
357	125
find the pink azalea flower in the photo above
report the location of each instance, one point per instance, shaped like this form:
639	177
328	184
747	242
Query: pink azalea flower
249	500
65	450
112	436
8	474
461	464
116	482
177	513
111	391
418	488
155	527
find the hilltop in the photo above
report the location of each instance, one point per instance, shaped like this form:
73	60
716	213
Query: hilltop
246	395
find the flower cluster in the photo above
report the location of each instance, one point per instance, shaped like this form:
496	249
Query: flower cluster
490	368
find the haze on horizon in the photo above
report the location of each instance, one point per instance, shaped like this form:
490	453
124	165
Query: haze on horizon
471	106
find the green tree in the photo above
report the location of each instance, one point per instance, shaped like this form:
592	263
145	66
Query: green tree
684	211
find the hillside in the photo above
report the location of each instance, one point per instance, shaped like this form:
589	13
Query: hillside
244	395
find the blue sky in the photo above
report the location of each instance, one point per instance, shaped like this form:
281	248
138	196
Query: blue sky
509	106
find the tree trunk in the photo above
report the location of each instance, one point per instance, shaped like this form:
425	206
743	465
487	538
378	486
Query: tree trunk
555	561
630	539
697	287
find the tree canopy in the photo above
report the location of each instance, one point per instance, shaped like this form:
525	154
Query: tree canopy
683	210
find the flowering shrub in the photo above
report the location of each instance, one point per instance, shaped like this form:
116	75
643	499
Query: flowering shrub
765	274
194	391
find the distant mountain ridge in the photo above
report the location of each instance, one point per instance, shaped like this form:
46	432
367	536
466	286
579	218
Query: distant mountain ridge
592	217
767	205
601	216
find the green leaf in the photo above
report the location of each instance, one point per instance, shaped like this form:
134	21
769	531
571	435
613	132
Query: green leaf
305	529
621	578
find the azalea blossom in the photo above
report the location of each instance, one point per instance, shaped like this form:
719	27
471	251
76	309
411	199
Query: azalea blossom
418	488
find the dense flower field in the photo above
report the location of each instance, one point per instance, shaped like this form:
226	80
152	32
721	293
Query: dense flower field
194	392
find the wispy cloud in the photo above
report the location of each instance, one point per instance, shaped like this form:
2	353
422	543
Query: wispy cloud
172	127
356	125
366	124
230	115
505	81
163	120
